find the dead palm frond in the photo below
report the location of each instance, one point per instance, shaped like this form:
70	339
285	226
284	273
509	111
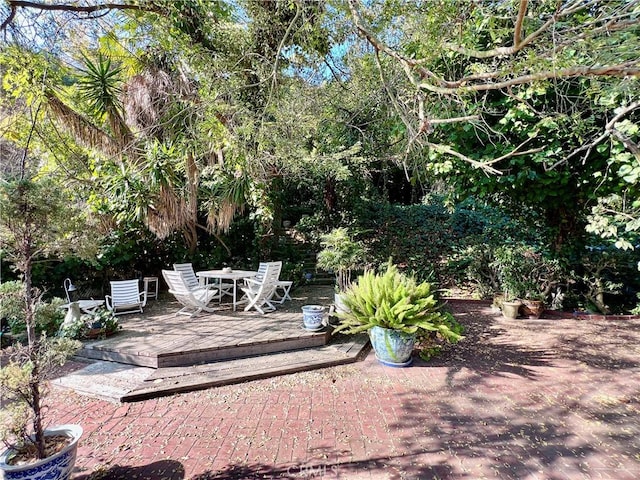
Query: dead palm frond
149	99
229	195
82	128
167	212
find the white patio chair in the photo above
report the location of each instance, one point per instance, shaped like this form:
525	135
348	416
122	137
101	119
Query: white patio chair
193	282
260	289
125	297
193	300
189	275
281	293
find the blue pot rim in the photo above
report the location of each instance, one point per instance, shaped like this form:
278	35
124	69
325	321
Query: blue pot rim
313	308
73	430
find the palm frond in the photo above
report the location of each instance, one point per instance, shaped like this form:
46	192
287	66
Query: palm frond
82	128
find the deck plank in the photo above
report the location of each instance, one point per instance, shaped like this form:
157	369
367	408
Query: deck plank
158	338
168	381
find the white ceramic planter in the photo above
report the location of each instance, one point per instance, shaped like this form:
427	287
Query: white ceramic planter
56	467
312	316
339	303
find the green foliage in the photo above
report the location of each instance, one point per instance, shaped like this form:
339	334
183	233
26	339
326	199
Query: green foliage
478	264
102	319
605	280
28	367
12	305
341	254
47	315
396	301
40	208
525	273
100	85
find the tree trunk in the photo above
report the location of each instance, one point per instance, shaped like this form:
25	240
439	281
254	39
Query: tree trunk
330	195
569	228
34	381
34	386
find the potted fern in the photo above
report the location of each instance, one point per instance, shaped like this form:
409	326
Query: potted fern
394	309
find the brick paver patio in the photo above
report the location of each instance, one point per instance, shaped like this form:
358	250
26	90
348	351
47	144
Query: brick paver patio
518	399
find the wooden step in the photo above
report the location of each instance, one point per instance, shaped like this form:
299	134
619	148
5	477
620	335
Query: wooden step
128	383
209	338
168	381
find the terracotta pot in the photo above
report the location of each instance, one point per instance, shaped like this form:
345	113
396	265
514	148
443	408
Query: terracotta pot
532	308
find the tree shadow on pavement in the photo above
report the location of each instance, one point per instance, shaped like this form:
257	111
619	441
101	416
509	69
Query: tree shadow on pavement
163	469
389	466
486	349
528	396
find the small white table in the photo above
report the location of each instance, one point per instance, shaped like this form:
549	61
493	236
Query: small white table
153	281
233	275
87	306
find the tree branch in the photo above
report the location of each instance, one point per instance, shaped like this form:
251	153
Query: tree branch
628	69
517	43
9	19
144	6
517	31
475	163
608	131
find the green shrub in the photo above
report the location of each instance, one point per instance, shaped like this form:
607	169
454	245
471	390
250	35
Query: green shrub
102	319
341	254
12	305
525	273
48	315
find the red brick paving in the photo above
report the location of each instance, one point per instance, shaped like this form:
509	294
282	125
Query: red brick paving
518	399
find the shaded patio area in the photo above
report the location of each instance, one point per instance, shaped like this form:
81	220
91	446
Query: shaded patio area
158	353
517	399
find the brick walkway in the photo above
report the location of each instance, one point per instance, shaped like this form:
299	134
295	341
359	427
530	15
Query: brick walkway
519	399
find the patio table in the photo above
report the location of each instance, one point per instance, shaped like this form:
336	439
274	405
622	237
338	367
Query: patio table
87	306
233	275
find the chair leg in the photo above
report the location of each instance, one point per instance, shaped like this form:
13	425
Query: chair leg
188	311
285	293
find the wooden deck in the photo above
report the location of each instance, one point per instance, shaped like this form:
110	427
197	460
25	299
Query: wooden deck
157	353
159	339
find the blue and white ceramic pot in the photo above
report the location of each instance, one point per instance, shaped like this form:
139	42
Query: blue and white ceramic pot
312	317
392	347
55	467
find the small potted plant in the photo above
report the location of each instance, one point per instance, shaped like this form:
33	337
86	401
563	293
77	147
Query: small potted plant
23	381
394	308
101	323
527	278
36	218
341	254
